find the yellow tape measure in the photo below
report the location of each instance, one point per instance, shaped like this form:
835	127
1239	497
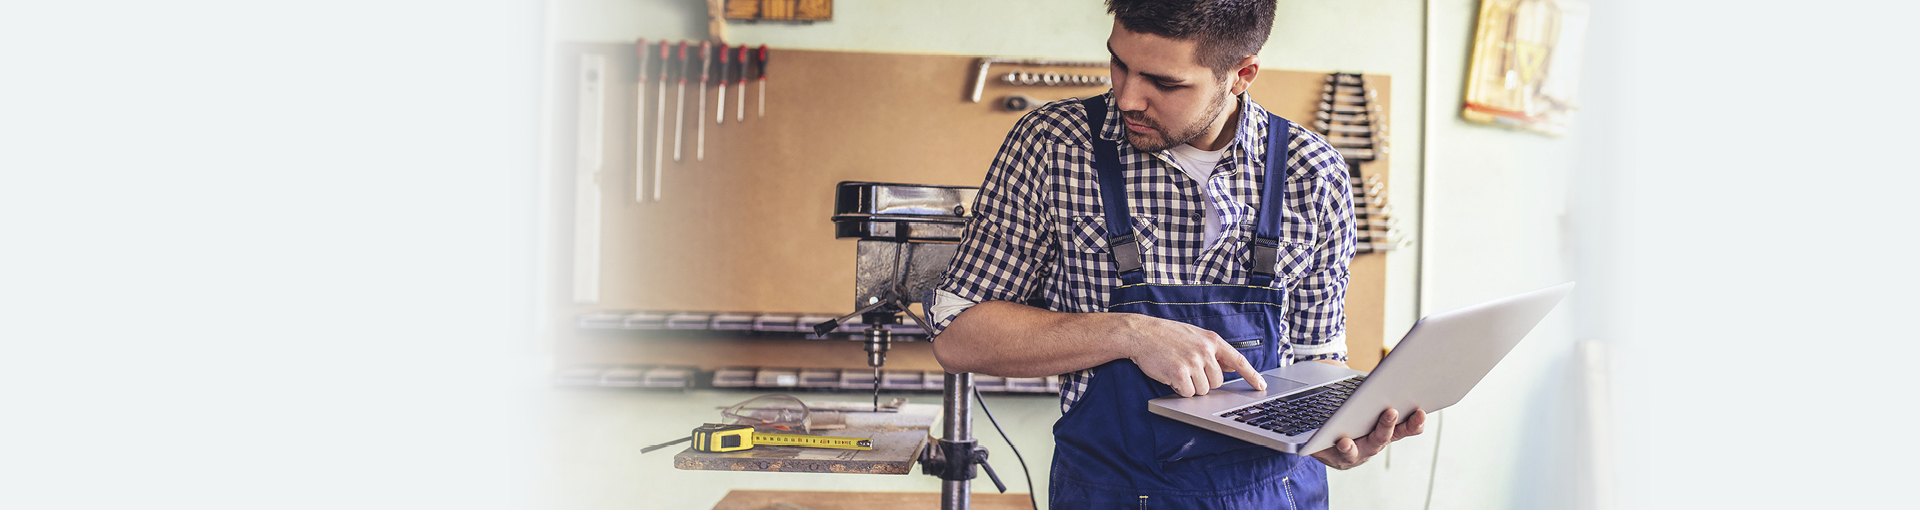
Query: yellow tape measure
715	438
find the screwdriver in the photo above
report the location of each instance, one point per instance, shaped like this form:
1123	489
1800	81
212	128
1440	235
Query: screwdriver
660	121
680	105
640	121
763	80
706	66
720	110
740	110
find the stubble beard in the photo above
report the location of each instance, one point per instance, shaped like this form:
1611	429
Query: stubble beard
1161	138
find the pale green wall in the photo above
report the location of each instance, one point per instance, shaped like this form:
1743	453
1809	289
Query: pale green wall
1494	227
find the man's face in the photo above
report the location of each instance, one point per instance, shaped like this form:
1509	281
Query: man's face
1164	95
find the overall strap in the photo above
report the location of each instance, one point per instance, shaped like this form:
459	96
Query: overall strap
1113	195
1266	237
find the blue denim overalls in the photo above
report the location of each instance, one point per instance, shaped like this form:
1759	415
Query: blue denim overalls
1110	451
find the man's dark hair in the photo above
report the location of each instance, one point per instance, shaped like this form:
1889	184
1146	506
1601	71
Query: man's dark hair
1227	30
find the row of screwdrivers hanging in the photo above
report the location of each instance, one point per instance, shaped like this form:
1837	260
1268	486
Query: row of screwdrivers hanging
676	66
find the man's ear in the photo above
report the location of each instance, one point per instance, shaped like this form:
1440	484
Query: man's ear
1244	72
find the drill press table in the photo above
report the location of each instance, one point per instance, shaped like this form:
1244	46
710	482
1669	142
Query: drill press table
898	439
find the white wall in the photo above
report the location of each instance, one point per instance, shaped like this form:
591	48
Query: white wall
267	254
1763	249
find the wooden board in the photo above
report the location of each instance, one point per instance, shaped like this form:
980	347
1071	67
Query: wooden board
825	500
1295	95
897	441
748	228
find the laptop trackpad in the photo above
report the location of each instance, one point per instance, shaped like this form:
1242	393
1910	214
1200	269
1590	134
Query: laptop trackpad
1275	385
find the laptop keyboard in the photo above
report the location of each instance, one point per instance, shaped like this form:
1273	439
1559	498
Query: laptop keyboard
1299	412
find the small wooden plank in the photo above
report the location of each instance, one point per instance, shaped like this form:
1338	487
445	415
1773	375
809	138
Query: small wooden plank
826	500
897	441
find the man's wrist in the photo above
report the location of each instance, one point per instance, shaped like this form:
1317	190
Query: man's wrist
1116	332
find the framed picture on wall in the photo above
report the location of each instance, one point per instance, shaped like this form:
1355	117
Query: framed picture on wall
780	10
1526	64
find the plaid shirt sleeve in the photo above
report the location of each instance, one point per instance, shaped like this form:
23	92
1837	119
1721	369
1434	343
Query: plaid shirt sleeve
1008	241
1318	315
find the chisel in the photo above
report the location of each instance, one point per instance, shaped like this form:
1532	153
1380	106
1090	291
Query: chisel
720	110
660	121
700	136
640	122
680	105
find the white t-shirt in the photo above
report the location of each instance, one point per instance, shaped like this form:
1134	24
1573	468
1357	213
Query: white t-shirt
1198	164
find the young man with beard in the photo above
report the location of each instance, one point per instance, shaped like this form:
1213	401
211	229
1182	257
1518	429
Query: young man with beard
1215	239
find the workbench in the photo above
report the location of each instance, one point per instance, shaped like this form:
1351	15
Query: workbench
829	500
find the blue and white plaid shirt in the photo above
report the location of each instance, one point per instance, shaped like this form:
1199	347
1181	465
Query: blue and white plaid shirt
1037	229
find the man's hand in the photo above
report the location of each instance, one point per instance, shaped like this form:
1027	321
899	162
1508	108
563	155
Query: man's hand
1347	453
1189	359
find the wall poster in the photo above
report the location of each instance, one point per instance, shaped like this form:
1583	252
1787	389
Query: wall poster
1526	64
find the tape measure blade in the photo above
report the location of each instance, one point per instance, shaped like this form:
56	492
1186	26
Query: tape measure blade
844	443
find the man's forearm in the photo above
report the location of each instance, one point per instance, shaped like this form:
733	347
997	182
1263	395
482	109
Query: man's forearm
1013	340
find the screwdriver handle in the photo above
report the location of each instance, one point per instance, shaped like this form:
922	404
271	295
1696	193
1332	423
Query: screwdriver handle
640	49
683	62
763	62
706	61
743	66
665	69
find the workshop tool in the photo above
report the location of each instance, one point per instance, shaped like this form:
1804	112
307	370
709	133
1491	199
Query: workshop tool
1351	121
719	438
1019	103
1053	79
660	121
720	109
706	67
680	104
908	235
982	66
1350	117
589	144
763	80
740	110
640	123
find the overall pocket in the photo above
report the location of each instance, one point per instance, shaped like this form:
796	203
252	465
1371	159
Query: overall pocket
1182	447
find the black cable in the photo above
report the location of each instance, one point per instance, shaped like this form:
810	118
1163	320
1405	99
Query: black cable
1433	470
1016	450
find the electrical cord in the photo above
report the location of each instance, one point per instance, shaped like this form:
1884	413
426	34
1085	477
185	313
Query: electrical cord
1016	450
1433	469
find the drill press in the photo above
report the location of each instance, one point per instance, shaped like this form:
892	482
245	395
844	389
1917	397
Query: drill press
908	234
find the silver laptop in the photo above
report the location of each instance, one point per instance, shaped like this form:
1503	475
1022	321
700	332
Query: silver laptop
1309	406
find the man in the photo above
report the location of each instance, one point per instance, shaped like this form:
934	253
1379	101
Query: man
1225	249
